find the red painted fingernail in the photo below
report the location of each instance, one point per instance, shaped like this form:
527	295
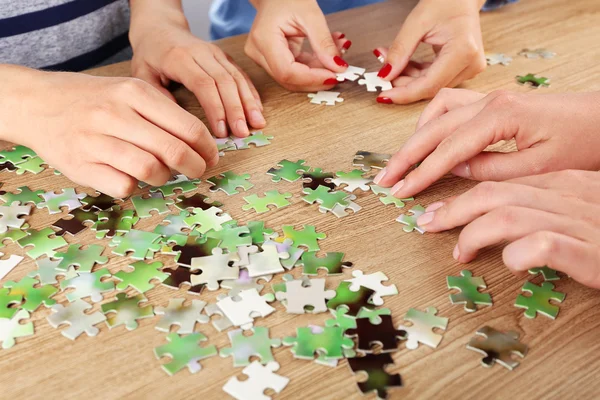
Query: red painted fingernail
330	81
384	100
385	70
377	53
343	35
340	61
347	45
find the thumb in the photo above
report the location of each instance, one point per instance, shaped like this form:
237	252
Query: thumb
402	49
153	79
494	166
323	44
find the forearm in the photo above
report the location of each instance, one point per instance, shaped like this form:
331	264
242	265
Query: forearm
151	14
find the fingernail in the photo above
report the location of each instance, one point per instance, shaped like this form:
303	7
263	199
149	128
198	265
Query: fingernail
340	61
435	206
397	187
463	170
377	53
385	70
425	218
380	176
242	127
347	45
257	117
456	253
222	128
384	100
343	35
330	81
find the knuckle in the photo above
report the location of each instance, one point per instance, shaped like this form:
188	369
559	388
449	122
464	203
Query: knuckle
131	87
203	82
175	153
100	113
285	77
326	43
546	244
447	144
224	78
146	168
195	129
503	99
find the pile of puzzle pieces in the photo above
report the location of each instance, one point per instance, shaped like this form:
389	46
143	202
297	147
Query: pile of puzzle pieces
211	251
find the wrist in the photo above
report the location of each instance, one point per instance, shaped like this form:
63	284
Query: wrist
149	16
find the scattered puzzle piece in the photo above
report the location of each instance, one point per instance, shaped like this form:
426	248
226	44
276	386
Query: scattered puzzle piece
17	155
244	347
249	305
306	237
196	201
23	196
533	81
74	315
368	160
331	342
184	351
326	199
299	296
498	58
355	301
84	259
315	178
266	262
144	204
12	328
55	201
113	221
378	379
539	301
6	301
228	182
185	317
100	202
42	242
374	282
206	220
34	296
182	276
469	291
421	330
548	273
10	216
231	237
260	378
271	198
34	165
387	197
140	244
9	264
127	311
76	223
537	53
141	277
327	97
88	285
288	171
382	334
332	263
352	180
244	282
498	347
214	268
258	139
179	182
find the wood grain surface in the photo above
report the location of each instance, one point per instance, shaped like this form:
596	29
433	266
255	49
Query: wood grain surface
564	355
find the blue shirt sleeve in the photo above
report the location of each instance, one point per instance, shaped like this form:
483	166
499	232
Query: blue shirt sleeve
494	4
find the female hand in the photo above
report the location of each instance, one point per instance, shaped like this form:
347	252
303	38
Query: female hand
551	219
106	133
552	132
276	39
452	28
165	50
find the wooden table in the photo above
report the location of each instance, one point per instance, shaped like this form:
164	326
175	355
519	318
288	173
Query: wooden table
563	358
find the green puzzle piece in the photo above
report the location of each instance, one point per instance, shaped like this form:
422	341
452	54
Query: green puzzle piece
34	165
184	351
12	328
17	155
332	263
341	319
141	276
288	171
206	220
231	237
88	285
355	301
548	273
331	342
181	182
42	242
261	204
141	244
258	138
127	311
373	315
175	226
13	234
258	231
156	202
84	259
34	296
469	291
387	197
539	301
411	220
533	80
23	196
307	236
327	199
7	300
113	221
228	182
243	347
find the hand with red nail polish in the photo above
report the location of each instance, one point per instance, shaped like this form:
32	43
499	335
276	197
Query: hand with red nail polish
282	55
452	28
551	131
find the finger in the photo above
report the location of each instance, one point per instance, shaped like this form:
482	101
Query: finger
424	142
255	93
402	48
106	179
488	196
447	100
193	77
322	42
512	223
577	258
583	183
153	78
230	96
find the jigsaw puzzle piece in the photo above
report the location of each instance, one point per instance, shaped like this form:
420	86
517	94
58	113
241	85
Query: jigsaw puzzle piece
411	220
288	171
184	351
299	295
243	347
271	198
127	311
539	300
327	97
421	330
498	347
332	263
12	328
378	379
260	378
140	276
185	317
74	314
374	282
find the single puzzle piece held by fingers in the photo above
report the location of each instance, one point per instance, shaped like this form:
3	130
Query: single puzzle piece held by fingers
244	347
539	301
260	378
374	282
351	73
469	291
184	351
368	160
185	317
388	198
374	82
127	311
411	220
271	198
498	347
548	273
229	182
421	330
288	171
332	263
141	276
75	316
378	379
12	328
327	97
533	81
68	198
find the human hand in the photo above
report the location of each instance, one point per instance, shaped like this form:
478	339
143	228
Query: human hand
276	39
552	132
551	219
452	28
106	133
165	50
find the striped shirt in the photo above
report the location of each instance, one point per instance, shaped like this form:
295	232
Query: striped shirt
66	35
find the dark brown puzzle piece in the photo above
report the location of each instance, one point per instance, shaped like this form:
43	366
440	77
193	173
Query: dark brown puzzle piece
383	333
314	179
378	380
75	224
7	166
198	200
182	275
101	202
195	247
